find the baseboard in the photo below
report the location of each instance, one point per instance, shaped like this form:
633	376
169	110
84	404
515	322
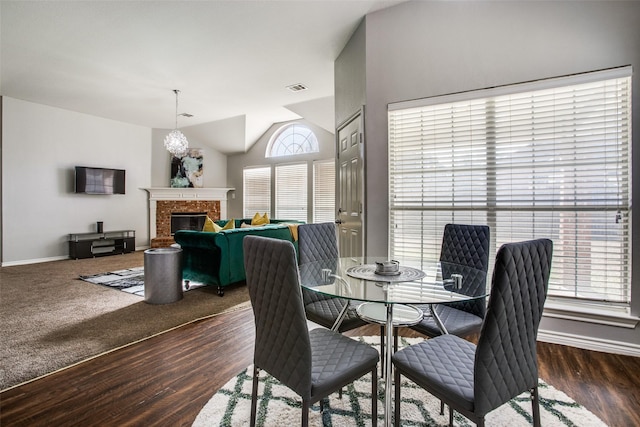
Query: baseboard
53	258
34	261
590	343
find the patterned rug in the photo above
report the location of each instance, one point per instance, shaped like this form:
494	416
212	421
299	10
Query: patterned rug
278	405
130	280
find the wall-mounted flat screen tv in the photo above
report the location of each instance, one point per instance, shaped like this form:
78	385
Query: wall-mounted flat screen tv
99	180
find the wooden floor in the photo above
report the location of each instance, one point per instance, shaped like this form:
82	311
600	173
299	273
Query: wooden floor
167	379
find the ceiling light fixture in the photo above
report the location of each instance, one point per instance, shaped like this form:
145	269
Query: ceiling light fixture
176	143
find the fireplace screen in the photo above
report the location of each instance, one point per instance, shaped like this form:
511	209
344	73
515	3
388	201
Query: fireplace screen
187	221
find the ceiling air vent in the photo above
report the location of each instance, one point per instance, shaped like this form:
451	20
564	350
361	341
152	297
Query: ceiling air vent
297	87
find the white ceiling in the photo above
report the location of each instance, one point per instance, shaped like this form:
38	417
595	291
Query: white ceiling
231	60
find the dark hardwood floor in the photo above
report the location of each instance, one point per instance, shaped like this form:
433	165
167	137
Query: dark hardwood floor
167	379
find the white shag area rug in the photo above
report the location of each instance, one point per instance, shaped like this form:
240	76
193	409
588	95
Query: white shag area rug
279	406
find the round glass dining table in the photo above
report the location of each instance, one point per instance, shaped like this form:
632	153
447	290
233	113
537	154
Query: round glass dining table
416	282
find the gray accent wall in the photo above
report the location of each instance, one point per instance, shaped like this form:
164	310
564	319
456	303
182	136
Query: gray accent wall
424	49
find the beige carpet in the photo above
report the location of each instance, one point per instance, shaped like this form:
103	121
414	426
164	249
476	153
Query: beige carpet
51	319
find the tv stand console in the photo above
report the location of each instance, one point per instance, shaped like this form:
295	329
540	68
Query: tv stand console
88	245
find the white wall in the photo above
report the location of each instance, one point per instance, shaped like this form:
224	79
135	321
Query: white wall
41	145
422	49
214	163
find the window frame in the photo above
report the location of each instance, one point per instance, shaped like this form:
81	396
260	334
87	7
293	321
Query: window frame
292	192
289	140
248	212
615	313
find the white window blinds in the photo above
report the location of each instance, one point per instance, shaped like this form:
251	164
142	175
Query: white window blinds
544	159
257	191
291	191
324	183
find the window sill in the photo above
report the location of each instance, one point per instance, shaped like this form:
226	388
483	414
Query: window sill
591	313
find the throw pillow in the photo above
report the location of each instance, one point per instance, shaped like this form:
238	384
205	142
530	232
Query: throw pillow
230	225
212	227
260	219
209	225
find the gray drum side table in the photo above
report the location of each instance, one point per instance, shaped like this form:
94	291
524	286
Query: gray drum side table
162	275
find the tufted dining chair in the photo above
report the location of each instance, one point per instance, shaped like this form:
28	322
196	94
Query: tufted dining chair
312	363
318	249
475	380
465	250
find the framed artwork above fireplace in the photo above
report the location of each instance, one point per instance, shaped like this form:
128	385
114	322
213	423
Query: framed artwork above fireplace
186	171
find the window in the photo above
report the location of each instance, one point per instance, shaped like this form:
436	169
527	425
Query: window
291	191
324	183
292	139
543	159
257	191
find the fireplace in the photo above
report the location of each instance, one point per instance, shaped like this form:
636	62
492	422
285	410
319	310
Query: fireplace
187	221
165	204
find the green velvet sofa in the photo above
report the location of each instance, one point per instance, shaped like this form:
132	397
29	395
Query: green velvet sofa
217	259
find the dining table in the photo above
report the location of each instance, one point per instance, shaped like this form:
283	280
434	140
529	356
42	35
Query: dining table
414	282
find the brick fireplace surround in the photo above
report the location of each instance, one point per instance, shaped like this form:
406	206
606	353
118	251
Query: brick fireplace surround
164	201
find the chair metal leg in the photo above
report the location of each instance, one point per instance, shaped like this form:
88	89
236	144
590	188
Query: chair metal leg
395	339
254	396
535	403
451	417
441	407
382	353
305	413
374	397
396	409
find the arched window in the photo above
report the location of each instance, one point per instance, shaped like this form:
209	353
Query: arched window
292	139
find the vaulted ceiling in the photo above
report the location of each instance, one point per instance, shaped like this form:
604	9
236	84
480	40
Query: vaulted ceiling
231	60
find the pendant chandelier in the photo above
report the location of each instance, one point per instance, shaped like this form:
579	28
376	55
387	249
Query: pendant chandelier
176	143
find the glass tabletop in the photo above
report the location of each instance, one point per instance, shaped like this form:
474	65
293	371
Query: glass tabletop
418	281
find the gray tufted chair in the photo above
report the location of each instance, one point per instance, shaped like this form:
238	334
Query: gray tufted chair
465	250
475	380
311	363
318	249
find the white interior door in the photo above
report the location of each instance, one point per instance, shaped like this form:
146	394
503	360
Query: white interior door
350	187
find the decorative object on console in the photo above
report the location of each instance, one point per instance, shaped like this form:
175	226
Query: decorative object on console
186	171
176	143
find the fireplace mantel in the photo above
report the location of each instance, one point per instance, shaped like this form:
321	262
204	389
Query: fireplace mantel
168	193
159	194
